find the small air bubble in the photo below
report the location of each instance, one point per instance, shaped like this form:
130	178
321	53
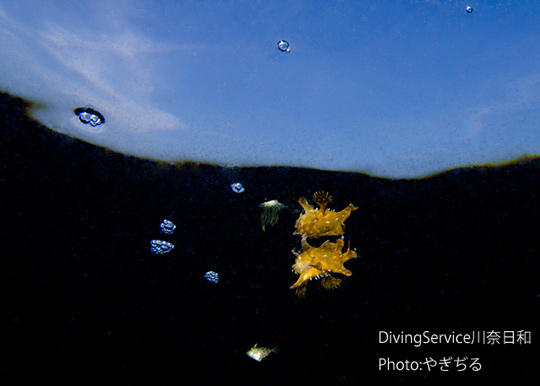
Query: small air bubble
237	187
469	9
95	121
283	45
88	115
85	117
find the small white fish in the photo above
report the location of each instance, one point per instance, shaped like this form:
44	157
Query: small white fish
259	353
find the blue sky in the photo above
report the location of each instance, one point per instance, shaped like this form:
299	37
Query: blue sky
391	88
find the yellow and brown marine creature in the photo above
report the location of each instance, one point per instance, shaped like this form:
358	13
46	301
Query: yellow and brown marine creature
321	222
259	353
318	263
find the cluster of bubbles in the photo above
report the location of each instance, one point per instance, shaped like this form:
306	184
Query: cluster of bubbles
160	247
89	116
211	276
167	227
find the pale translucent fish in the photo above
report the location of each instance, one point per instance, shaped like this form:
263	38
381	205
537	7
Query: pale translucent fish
259	353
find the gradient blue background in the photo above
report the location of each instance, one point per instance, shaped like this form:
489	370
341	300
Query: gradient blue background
390	88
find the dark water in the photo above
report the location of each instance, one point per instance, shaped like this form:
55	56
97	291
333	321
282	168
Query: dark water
84	298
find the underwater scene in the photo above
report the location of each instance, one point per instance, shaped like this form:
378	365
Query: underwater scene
272	193
117	268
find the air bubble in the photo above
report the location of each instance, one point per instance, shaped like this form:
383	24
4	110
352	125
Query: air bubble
211	276
159	247
88	115
95	121
283	45
167	227
469	9
85	117
237	187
